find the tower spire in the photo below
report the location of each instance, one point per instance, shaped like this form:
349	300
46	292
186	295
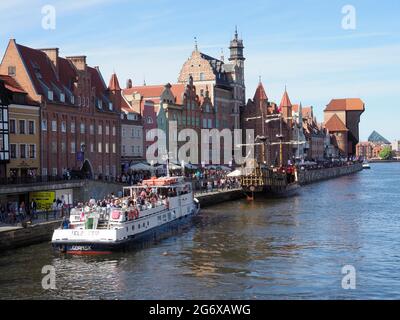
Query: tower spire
195	44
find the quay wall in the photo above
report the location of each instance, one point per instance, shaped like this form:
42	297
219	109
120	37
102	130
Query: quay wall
208	200
310	176
22	237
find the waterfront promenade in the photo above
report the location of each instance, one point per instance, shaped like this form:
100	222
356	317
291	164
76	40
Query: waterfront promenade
13	236
266	249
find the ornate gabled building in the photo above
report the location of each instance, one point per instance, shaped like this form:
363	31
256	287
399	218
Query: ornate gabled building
224	82
173	102
255	116
80	116
299	149
348	112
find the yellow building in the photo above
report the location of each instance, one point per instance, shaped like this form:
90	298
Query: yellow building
24	133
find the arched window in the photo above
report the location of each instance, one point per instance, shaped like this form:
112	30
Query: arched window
149	120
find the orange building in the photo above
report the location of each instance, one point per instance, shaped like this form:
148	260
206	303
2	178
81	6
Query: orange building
347	114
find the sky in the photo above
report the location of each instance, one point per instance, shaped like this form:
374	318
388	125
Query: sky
298	44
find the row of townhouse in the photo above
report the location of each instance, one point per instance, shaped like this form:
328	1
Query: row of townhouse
59	115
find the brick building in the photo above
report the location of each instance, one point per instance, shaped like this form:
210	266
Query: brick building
348	112
4	131
260	109
224	82
80	116
179	103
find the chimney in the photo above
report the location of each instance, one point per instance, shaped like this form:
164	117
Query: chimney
79	62
129	83
52	54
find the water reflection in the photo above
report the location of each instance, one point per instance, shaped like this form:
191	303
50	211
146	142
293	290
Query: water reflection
267	249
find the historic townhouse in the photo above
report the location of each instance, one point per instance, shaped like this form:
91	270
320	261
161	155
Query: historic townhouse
80	116
299	150
178	102
24	132
132	140
224	81
261	109
4	132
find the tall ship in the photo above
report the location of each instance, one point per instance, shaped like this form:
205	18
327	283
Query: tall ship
261	180
146	211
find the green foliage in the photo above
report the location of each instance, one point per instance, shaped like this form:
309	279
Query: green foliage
386	153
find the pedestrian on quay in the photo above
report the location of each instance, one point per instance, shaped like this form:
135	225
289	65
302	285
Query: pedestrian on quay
2	213
33	208
54	207
22	211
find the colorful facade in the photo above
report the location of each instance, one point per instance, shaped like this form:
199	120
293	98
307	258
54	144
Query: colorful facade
80	116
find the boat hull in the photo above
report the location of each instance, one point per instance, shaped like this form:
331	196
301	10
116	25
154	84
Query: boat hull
139	240
274	191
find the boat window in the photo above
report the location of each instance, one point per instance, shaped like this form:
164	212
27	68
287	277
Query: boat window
169	215
133	227
139	226
144	225
148	223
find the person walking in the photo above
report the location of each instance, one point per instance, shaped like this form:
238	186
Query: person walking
33	207
54	207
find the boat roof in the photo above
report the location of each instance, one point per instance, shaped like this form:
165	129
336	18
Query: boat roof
174	182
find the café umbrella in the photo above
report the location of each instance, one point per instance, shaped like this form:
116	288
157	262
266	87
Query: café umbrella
141	167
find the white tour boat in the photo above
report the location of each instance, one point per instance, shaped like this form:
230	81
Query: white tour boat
145	211
366	165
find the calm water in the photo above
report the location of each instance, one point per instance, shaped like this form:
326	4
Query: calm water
276	249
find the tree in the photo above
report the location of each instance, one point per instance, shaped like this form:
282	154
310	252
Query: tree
386	153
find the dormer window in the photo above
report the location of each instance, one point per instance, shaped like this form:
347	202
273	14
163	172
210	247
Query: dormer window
50	95
62	97
100	104
110	106
12	71
72	99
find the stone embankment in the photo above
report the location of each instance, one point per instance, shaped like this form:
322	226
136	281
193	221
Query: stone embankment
311	176
14	237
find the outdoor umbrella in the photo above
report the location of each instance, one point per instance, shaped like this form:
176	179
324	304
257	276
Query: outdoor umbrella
141	167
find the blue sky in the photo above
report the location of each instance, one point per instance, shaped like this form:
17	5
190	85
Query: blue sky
300	44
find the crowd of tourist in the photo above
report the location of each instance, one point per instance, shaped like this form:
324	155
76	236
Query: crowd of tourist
17	212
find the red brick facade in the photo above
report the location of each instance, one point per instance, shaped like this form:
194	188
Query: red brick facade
80	116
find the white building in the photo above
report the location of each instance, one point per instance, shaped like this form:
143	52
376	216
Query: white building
131	138
396	145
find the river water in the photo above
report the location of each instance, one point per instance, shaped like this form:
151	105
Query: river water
272	249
